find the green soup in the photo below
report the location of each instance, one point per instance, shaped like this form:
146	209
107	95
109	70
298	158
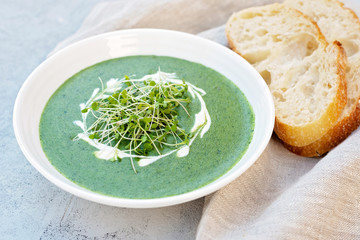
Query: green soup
210	157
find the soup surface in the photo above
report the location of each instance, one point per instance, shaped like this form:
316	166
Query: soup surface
230	133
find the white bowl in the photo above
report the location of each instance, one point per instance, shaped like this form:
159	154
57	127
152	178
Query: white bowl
47	77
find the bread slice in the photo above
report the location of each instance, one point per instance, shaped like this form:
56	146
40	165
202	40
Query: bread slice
304	73
337	23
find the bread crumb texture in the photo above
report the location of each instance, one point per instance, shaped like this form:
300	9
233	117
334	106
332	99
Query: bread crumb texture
305	73
341	24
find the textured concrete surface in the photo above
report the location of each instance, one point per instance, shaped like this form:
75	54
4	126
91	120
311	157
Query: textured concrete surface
31	207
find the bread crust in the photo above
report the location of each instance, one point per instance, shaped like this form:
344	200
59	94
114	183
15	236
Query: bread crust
334	137
304	135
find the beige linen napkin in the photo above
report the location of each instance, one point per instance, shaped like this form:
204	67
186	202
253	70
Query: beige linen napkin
282	196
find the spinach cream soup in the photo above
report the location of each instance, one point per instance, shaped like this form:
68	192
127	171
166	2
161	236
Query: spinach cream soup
210	155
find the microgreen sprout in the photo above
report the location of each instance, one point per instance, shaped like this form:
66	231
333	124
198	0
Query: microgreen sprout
140	117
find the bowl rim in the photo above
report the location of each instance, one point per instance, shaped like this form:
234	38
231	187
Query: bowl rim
139	203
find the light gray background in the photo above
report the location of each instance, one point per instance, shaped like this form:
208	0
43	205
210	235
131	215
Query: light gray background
31	207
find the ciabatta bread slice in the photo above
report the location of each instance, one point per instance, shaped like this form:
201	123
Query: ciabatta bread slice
336	23
304	73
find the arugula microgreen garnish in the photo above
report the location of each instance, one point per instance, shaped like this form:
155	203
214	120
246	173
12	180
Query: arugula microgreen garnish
141	116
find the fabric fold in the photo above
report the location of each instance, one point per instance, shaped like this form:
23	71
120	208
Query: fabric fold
282	197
